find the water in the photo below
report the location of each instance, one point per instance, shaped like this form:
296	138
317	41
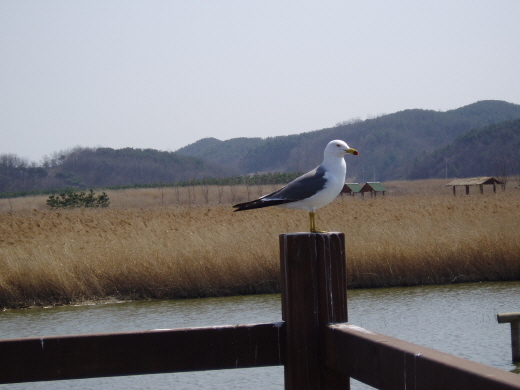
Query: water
457	319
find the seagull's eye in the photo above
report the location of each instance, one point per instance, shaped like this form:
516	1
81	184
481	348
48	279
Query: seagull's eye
338	145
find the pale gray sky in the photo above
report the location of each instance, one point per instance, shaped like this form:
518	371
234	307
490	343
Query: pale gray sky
163	74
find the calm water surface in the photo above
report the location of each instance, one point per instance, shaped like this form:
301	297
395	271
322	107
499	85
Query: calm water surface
457	319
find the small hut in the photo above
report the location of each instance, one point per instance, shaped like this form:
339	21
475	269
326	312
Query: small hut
351	188
474	181
373	188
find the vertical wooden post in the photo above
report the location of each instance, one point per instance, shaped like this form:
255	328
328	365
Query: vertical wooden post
515	340
514	320
314	294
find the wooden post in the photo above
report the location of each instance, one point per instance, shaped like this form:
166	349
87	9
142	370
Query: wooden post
514	320
314	294
467	190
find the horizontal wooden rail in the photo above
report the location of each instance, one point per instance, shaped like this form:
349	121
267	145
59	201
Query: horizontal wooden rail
149	352
504	318
388	363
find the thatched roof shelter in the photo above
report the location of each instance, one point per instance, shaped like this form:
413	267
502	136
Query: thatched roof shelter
475	181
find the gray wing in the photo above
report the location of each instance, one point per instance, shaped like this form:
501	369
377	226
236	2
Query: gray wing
303	187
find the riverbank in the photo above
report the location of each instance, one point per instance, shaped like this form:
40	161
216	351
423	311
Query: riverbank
172	250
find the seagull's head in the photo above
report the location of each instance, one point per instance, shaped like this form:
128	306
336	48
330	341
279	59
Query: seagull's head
339	148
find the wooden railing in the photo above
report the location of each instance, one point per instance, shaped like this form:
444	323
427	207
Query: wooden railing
315	343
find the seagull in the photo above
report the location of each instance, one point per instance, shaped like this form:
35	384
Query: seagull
312	190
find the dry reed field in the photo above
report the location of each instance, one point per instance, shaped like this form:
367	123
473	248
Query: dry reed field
156	244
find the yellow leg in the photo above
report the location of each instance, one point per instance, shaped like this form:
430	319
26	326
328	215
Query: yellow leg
313	223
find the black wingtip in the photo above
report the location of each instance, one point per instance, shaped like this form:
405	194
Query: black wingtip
260	203
254	204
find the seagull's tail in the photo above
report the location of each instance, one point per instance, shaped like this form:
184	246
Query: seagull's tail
259	203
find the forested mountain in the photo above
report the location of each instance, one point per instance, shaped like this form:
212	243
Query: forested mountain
228	153
389	145
407	144
491	151
96	167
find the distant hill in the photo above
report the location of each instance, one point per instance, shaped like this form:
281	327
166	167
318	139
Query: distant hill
197	149
227	153
407	144
489	151
389	145
98	167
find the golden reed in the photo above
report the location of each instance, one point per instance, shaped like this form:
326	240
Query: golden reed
168	243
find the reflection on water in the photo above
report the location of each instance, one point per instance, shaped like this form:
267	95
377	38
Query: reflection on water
457	319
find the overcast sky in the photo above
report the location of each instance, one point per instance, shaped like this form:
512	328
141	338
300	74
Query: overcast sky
164	74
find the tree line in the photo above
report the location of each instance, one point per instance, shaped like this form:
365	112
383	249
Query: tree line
98	167
18	177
